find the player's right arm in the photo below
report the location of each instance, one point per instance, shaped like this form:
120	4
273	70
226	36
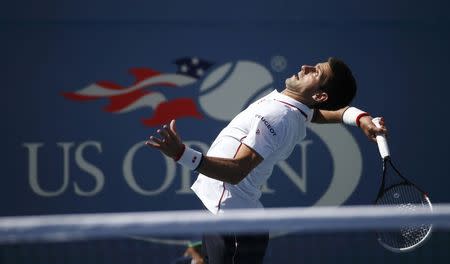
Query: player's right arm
326	116
363	121
227	170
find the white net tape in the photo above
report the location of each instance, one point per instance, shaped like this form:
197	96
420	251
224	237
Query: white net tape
298	219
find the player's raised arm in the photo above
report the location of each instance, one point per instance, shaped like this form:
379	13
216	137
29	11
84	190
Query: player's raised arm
350	116
328	116
227	170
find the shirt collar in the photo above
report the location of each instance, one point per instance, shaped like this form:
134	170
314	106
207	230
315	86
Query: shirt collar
304	109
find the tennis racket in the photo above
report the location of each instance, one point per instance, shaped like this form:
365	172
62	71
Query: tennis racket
398	191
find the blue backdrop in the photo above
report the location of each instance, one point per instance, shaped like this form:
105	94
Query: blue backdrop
87	82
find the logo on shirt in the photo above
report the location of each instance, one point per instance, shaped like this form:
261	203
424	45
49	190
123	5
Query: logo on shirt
267	124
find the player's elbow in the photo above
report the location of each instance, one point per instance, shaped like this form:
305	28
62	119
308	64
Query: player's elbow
234	182
243	168
237	179
239	176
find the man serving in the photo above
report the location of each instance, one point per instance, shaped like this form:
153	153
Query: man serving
242	157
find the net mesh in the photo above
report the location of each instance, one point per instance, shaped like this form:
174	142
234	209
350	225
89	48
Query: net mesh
307	235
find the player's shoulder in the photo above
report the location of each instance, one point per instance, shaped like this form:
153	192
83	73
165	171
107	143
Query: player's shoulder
273	115
275	111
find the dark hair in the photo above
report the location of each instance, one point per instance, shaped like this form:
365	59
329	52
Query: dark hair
340	86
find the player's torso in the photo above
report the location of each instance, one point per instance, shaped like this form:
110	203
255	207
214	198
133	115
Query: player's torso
229	139
217	195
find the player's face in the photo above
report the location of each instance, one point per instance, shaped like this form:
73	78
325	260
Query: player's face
309	78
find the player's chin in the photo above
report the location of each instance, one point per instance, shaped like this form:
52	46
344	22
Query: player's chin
289	81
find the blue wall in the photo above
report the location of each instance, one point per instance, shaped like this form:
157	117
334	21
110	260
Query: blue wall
69	156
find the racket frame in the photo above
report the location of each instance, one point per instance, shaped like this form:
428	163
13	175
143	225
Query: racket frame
416	245
382	189
387	160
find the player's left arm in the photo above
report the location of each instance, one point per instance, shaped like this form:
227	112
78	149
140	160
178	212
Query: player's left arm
227	170
353	116
231	170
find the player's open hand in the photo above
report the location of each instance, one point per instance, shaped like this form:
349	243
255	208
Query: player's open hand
370	129
168	142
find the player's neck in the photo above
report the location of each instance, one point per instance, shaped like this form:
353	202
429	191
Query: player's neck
296	96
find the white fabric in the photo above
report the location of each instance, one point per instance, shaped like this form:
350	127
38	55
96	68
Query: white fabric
350	115
190	158
271	126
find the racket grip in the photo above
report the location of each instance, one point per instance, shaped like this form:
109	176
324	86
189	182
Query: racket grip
381	140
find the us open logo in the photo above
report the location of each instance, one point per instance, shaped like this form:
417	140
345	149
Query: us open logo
222	91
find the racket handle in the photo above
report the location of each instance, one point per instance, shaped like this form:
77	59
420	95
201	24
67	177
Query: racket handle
381	140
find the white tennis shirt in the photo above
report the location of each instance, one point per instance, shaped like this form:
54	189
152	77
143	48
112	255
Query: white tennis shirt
271	126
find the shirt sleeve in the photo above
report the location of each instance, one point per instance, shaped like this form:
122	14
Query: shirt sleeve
265	134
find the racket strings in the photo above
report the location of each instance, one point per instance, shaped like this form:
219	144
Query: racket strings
408	198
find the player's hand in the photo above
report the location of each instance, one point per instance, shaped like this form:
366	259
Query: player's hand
369	128
168	142
195	255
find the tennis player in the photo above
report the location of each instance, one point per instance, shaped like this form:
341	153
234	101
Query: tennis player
243	155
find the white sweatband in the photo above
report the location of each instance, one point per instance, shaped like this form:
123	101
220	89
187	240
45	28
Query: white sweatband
352	115
190	158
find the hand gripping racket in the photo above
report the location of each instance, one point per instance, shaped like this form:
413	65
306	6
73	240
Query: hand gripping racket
398	191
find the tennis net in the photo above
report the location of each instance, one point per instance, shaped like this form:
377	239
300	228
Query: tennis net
322	234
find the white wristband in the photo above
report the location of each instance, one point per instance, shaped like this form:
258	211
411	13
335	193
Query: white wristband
352	115
190	158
